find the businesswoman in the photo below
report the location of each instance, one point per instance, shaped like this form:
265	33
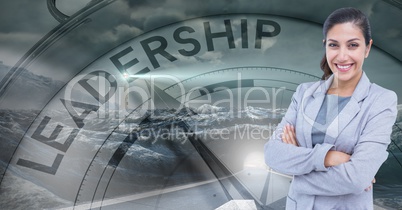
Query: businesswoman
334	136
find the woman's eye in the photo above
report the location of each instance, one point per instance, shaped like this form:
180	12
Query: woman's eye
332	45
353	45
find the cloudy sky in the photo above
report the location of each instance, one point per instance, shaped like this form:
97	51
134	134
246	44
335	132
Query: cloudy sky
24	22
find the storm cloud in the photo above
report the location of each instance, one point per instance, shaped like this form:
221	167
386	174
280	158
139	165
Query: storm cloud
24	22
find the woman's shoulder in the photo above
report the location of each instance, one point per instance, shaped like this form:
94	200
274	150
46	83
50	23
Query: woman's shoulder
380	98
375	90
307	85
379	91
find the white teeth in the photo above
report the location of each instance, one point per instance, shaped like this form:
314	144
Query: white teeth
343	67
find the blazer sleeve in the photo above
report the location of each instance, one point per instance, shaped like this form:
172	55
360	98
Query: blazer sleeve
369	154
290	159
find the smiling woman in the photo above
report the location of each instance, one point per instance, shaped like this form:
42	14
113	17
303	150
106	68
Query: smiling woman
334	136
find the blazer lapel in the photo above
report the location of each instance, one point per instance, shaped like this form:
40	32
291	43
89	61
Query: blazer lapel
311	104
349	111
342	120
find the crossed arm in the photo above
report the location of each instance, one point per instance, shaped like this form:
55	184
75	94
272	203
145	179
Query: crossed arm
321	170
332	158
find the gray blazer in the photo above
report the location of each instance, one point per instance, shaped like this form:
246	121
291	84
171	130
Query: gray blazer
362	129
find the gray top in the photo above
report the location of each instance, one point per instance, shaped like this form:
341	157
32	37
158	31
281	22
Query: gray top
330	108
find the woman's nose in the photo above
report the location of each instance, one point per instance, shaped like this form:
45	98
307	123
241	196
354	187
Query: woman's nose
343	55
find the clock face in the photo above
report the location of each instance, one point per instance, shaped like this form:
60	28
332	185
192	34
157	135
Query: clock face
171	116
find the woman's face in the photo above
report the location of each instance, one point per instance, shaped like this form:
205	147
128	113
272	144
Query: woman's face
346	50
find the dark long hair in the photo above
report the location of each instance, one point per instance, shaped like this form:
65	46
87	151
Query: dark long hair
339	16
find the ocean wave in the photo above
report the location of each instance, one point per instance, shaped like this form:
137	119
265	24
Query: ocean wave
19	193
152	152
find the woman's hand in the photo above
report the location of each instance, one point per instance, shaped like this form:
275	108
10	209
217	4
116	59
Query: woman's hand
334	158
289	135
371	186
